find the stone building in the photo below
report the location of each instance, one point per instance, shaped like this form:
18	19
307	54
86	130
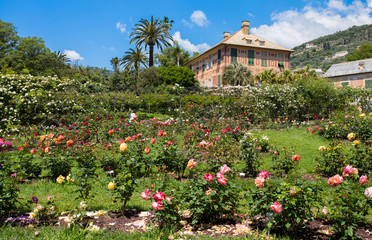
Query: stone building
241	47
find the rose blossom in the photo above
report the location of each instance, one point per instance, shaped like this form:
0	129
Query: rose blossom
296	157
224	169
208	192
325	210
157	206
147	150
277	207
159	196
368	192
146	194
335	180
222	180
349	170
191	164
264	174
363	180
209	177
259	181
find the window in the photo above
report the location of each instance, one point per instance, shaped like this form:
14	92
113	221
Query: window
219	80
219	57
250	57
280	55
234	55
203	67
197	70
264	54
368	83
281	64
264	62
345	84
249	41
262	42
190	67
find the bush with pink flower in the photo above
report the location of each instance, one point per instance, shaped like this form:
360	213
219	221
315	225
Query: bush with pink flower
350	202
287	202
210	197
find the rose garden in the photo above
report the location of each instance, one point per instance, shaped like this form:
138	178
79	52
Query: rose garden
262	162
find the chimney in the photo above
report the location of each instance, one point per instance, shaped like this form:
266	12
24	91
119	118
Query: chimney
226	35
245	27
361	66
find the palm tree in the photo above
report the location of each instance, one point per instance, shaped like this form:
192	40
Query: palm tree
177	52
267	76
152	33
115	63
134	58
236	74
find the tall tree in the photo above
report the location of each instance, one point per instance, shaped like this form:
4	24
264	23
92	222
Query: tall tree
8	42
236	74
115	63
172	56
134	58
151	33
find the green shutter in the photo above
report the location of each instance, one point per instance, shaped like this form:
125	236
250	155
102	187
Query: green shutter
264	62
368	83
345	83
219	56
250	57
234	55
219	80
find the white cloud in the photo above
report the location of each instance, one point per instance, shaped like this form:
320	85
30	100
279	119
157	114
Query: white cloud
188	24
199	18
121	27
294	27
187	45
73	55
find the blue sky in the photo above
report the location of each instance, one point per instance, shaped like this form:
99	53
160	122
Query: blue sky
94	31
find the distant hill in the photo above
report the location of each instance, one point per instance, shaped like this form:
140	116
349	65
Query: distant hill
327	50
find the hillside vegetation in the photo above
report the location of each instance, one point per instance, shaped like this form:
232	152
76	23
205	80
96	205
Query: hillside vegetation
327	46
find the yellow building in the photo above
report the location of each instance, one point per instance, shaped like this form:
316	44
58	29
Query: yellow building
241	47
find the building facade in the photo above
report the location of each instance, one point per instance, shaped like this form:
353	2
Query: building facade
241	47
354	74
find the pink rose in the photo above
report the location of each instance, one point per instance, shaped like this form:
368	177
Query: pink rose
349	170
325	210
208	192
222	180
224	169
264	174
159	196
363	180
259	181
157	206
209	177
146	194
169	198
277	207
335	180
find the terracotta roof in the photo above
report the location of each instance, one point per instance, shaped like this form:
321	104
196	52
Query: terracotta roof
240	39
350	68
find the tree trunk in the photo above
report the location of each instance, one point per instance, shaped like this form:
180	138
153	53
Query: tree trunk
151	56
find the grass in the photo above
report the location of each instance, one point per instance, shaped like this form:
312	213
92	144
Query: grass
303	143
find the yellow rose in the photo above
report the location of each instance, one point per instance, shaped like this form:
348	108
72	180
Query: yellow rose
362	115
123	147
351	136
356	142
60	179
321	148
111	185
